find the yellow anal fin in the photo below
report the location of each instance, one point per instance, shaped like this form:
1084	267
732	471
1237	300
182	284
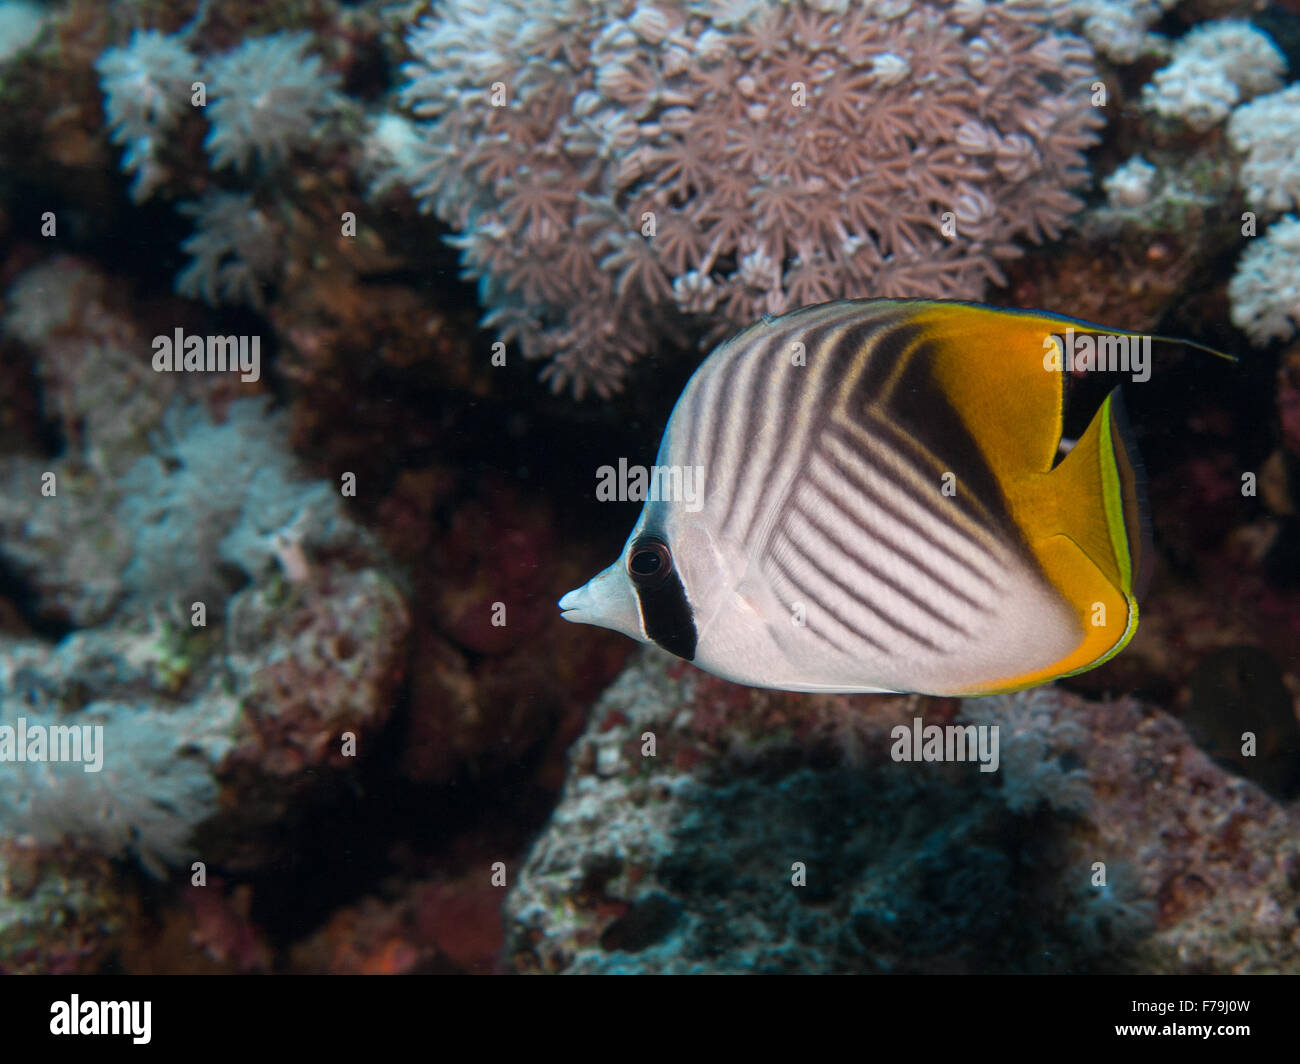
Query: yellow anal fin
1107	617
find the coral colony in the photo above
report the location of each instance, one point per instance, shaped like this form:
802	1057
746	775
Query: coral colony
284	510
730	160
147	85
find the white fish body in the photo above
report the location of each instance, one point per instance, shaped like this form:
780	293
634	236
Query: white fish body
852	536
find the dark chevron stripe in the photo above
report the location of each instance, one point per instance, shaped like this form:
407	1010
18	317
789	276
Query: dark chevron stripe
820	342
927	469
852	596
735	398
897	338
808	616
768	358
817	629
686	419
887	508
717	396
909	489
869	566
921	422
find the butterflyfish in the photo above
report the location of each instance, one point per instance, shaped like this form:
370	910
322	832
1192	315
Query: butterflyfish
885	507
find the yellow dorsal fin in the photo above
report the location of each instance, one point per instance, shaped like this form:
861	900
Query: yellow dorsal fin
990	365
1000	368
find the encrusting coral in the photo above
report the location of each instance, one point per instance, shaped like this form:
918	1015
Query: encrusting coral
194	679
61	910
613	166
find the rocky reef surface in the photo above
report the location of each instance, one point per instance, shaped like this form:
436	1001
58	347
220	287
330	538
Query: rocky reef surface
708	829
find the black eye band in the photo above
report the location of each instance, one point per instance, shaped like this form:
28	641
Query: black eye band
665	610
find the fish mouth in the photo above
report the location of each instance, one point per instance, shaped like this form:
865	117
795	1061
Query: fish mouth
606	601
571	604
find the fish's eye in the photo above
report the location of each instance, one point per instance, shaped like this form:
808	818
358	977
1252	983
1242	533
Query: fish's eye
650	561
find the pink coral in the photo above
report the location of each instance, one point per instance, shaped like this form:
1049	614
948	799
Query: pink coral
716	161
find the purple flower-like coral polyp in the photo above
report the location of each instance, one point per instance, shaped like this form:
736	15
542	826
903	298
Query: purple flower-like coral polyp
615	169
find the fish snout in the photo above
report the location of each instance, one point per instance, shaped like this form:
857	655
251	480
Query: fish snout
607	601
574	602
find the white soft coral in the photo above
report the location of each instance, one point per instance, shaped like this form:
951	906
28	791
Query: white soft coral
269	96
235	251
147	85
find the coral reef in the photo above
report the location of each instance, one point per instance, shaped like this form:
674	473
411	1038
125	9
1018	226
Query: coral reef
1265	290
60	910
150	785
1121	29
1268	131
104	403
687	858
213	495
1038	764
315	662
492	677
363	732
725	161
102	396
1131	185
20	24
1215	67
231	619
258	709
438	926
